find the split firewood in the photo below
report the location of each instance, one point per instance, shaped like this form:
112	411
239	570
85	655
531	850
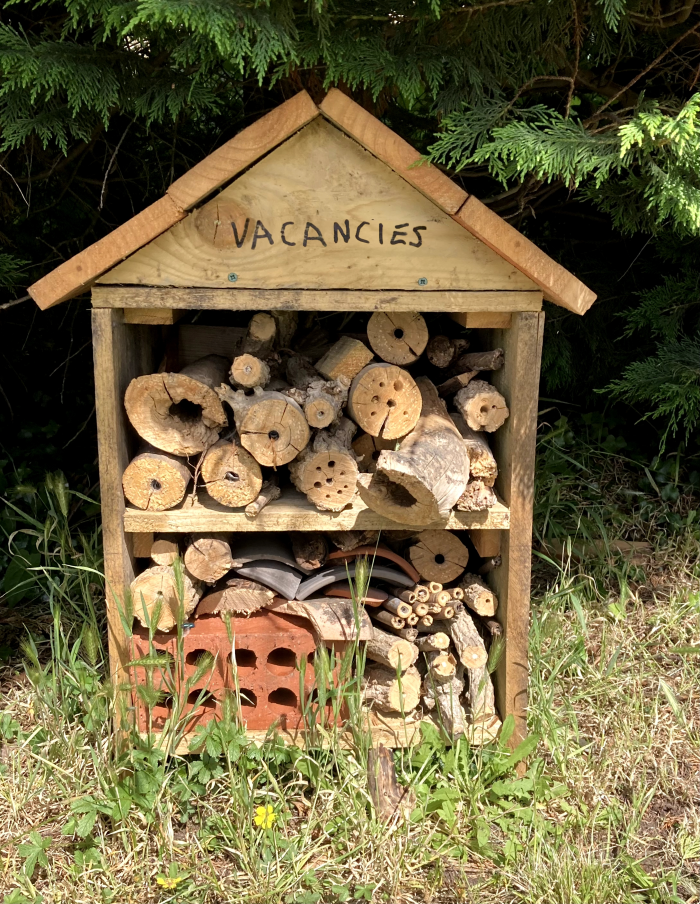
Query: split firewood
441	665
347	540
478	596
429	643
310	550
326	470
179	413
344	359
492	360
480	696
389	692
269	491
369	448
389	619
442	351
384	401
248	371
420	482
389	798
469	644
230	473
482	463
439	555
260	338
391	650
271	427
155	591
155	481
477	497
208	557
397	337
482	406
397	607
165	549
322	400
236	596
443	700
454	384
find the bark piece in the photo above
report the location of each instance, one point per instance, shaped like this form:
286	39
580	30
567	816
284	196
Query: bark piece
248	371
391	650
420	482
478	596
344	359
368	449
310	550
482	463
269	491
155	590
388	692
236	596
491	360
482	406
230	473
397	337
155	481
165	549
179	413
338	620
389	798
326	470
469	644
480	697
442	699
271	427
429	643
477	497
208	557
260	337
439	555
384	401
442	351
454	384
347	540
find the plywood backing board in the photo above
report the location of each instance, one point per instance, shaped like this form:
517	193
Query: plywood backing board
291	512
514	448
319	212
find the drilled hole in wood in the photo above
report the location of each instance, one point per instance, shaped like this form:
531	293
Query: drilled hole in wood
381	385
329	480
282	661
155	485
232	476
398	333
245	659
439	559
248	698
273	435
331	464
375	399
282	699
391	403
398	385
318	484
186	410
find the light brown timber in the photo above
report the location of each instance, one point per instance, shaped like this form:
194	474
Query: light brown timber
230	474
156	480
384	401
344	359
389	692
165	549
326	470
390	650
467	640
208	557
478	596
439	556
269	491
152	316
143	544
156	599
483	320
397	338
482	406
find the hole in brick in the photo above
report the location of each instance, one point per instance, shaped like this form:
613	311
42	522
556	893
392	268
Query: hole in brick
439	559
282	661
186	410
282	700
194	656
202	700
248	698
245	659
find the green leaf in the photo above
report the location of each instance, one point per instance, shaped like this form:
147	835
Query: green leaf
34	852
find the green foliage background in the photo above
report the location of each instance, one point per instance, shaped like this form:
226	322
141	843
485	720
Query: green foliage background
578	120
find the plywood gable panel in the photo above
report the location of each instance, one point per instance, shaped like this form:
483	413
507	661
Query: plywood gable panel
319	212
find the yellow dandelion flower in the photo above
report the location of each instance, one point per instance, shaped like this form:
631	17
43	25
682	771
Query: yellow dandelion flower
169	881
265	817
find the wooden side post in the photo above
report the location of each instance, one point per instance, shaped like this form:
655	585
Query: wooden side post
514	447
121	352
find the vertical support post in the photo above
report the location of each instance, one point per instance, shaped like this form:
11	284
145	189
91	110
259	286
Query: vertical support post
514	447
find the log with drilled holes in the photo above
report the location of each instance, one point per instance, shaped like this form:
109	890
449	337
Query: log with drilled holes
236	596
384	401
179	413
478	596
269	491
326	470
248	371
480	697
208	557
230	473
369	448
155	597
344	359
389	692
271	427
397	337
482	463
482	406
391	650
419	483
469	644
439	555
155	481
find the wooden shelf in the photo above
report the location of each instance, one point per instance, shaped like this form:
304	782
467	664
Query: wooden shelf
292	512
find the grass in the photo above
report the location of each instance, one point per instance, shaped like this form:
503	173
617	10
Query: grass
606	809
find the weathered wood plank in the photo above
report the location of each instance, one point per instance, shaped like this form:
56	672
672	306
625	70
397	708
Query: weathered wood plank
405	160
514	448
291	512
486	320
77	274
558	285
500	303
319	212
153	316
243	150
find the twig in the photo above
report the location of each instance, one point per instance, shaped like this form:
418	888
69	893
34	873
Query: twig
111	163
11	304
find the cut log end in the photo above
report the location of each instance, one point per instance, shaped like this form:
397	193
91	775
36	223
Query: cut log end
439	556
230	474
384	401
482	406
248	371
155	597
397	337
155	481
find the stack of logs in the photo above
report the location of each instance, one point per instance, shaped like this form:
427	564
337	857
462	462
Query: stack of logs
411	460
425	623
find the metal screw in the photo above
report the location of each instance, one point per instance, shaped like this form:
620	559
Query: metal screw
232	277
421	282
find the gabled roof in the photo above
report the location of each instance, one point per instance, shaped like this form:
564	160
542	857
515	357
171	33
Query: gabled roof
250	145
